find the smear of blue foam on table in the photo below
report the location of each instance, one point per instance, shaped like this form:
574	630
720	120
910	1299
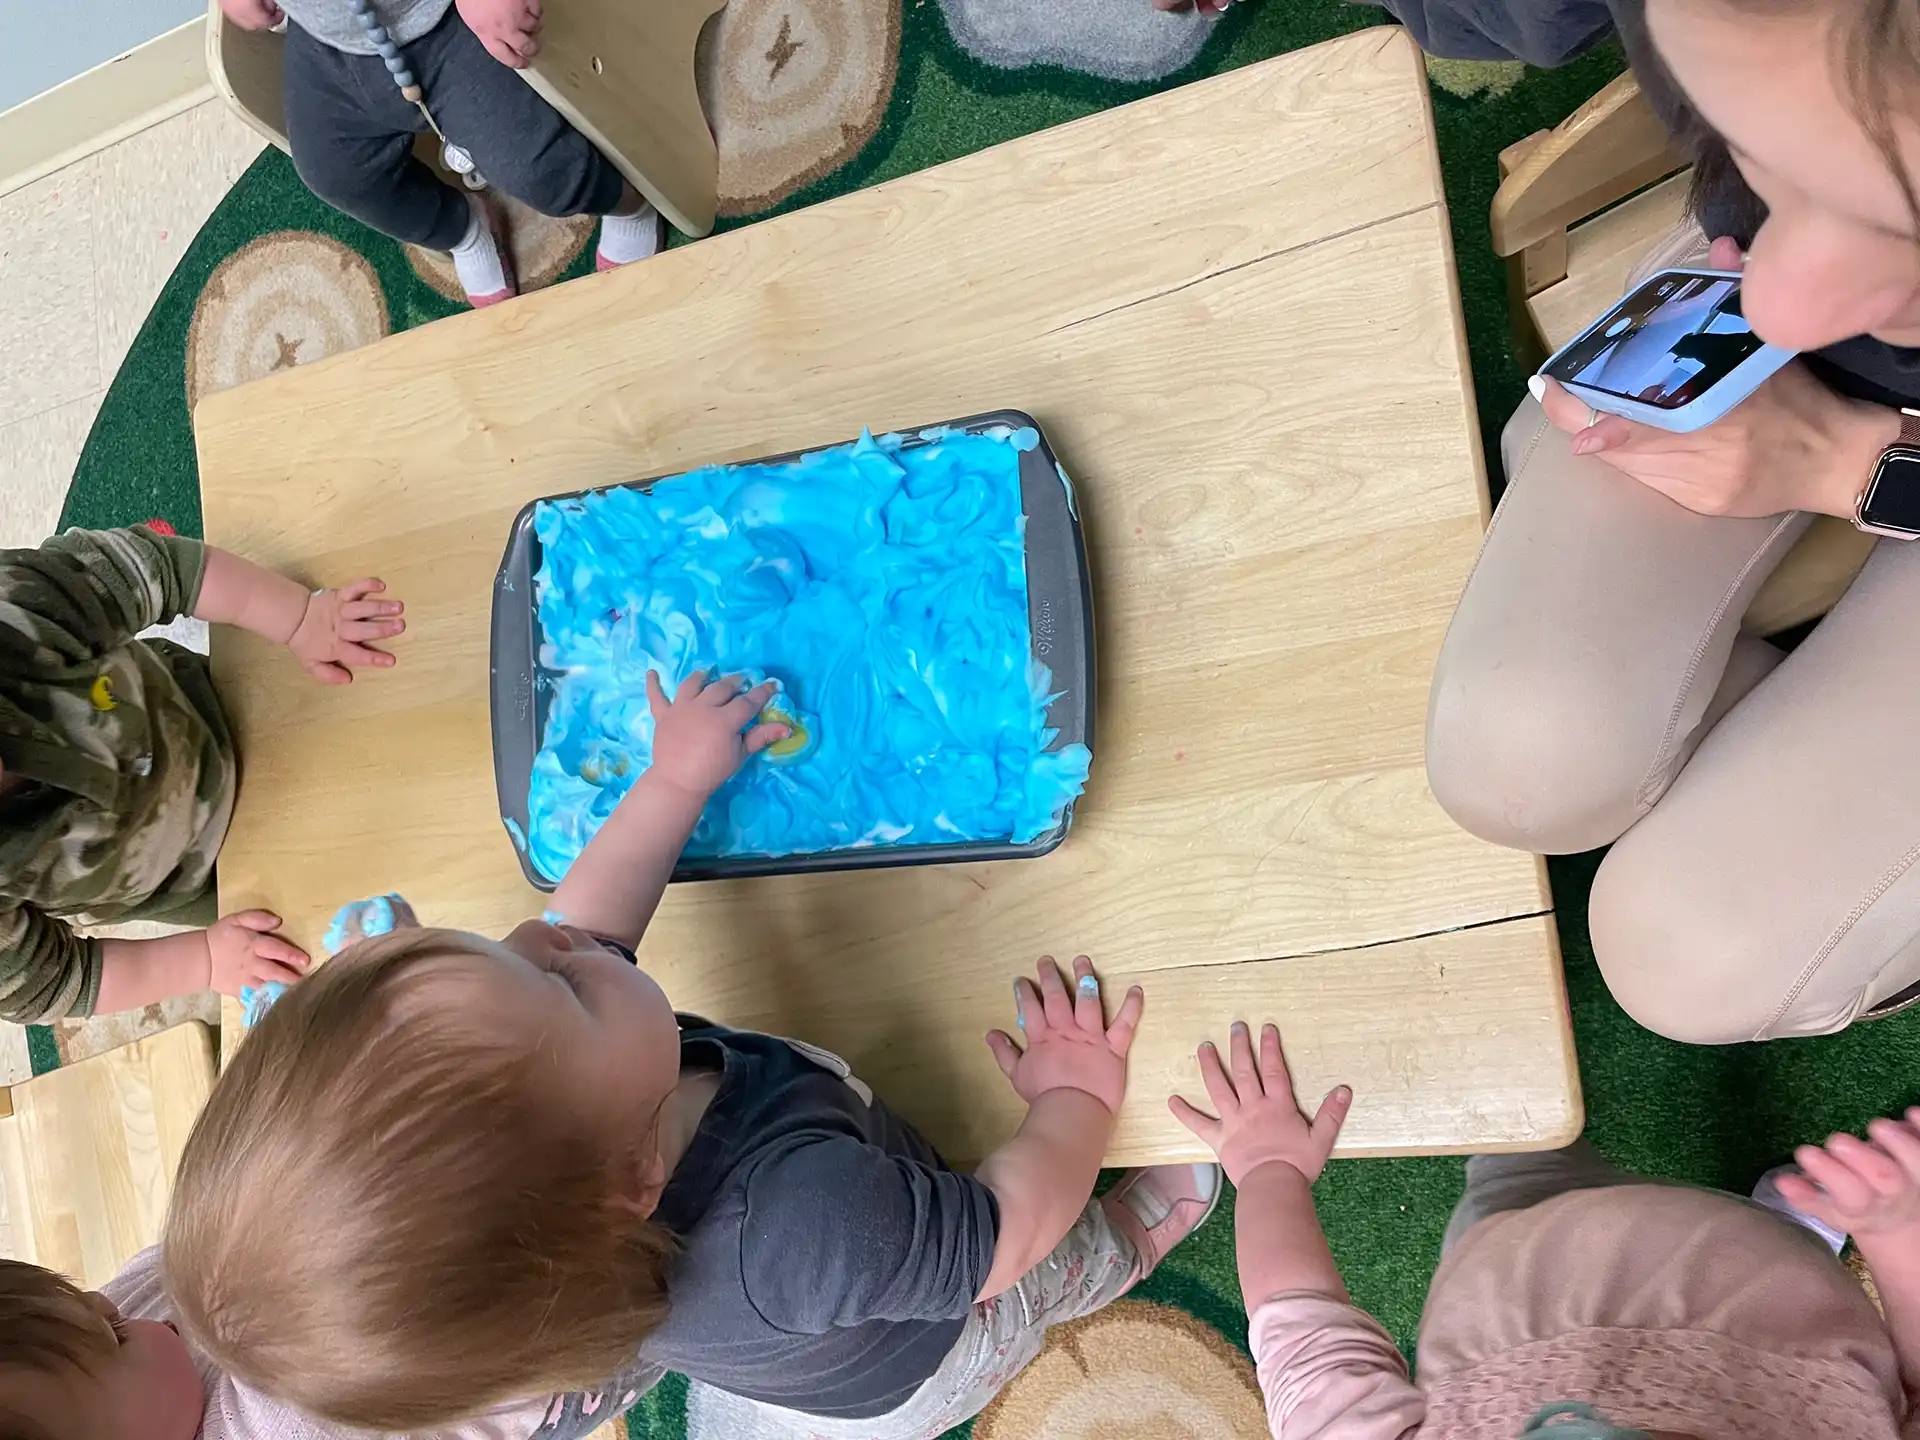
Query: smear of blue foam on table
882	583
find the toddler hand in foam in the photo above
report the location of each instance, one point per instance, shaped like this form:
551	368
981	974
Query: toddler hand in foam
700	737
364	919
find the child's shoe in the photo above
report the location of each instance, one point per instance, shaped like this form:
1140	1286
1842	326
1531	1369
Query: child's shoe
627	238
1159	1206
482	259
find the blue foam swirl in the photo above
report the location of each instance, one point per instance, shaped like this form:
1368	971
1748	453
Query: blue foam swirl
882	583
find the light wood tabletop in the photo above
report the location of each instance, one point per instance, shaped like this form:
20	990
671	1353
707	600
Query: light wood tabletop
88	1152
1233	309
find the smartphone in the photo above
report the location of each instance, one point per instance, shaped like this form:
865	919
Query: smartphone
1676	353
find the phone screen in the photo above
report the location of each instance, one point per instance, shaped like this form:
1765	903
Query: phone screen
1666	344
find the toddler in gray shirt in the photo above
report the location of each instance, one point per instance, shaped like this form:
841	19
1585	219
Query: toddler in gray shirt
352	132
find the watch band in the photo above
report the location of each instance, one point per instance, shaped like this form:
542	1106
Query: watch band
1909	439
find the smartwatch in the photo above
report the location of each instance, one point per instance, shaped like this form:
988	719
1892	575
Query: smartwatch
1890	505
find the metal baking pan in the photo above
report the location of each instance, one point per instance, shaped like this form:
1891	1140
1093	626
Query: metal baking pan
1060	624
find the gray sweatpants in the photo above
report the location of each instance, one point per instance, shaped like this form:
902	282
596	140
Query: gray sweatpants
352	136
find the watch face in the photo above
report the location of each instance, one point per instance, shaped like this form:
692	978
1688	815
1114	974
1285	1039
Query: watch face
1893	499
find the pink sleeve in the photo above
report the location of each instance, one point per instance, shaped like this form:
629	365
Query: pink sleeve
1329	1372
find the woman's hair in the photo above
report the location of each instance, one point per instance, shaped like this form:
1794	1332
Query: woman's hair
1877	74
47	1327
390	1216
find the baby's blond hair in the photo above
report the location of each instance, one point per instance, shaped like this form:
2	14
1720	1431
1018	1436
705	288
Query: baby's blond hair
387	1215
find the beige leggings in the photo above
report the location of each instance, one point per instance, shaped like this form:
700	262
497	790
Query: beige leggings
1594	688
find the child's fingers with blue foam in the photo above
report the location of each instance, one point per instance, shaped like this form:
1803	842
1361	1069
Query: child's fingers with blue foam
1088	1013
363	919
1029	1010
748	703
256	1000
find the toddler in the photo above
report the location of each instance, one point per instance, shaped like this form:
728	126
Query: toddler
1575	1301
445	1173
113	1366
117	769
352	132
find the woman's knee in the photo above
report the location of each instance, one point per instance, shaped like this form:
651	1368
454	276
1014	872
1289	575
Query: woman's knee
1698	961
1520	750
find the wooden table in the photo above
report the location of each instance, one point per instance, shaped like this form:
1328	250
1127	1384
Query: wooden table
88	1152
1234	310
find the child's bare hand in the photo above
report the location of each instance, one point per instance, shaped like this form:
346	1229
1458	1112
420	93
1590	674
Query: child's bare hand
252	14
1864	1187
243	950
510	29
335	635
700	737
1260	1121
1069	1043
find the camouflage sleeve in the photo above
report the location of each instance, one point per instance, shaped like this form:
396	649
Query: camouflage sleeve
87	592
46	971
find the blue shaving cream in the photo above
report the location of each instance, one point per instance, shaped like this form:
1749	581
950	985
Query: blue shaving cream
882	584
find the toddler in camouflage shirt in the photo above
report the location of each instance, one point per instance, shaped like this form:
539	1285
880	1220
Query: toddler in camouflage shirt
117	768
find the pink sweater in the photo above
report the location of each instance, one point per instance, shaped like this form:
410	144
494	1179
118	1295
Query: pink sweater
1664	1307
236	1413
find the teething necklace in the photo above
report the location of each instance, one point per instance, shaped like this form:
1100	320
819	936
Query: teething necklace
455	157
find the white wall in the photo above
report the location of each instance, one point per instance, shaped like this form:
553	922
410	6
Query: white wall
44	42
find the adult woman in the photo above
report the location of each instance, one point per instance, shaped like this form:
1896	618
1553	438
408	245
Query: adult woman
1594	687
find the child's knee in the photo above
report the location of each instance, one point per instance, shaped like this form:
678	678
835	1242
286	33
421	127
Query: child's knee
567	177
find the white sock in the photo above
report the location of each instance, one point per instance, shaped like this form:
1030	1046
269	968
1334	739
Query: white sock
476	259
627	238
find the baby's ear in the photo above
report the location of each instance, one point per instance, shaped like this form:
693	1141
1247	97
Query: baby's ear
644	1181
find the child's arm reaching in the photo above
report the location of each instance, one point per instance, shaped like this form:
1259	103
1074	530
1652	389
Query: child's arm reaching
700	739
1327	1370
1871	1189
1073	1076
1272	1154
329	631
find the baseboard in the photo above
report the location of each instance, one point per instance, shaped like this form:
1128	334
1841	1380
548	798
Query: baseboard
108	103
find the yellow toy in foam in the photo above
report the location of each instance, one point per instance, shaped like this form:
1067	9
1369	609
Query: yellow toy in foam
799	741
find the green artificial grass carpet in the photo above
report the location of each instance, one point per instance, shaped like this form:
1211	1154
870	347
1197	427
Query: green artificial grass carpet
1714	1116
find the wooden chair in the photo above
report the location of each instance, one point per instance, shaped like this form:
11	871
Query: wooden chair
621	71
1578	208
88	1152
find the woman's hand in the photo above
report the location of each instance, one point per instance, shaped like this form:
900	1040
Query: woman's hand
1069	1043
1791	445
1260	1121
1864	1187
